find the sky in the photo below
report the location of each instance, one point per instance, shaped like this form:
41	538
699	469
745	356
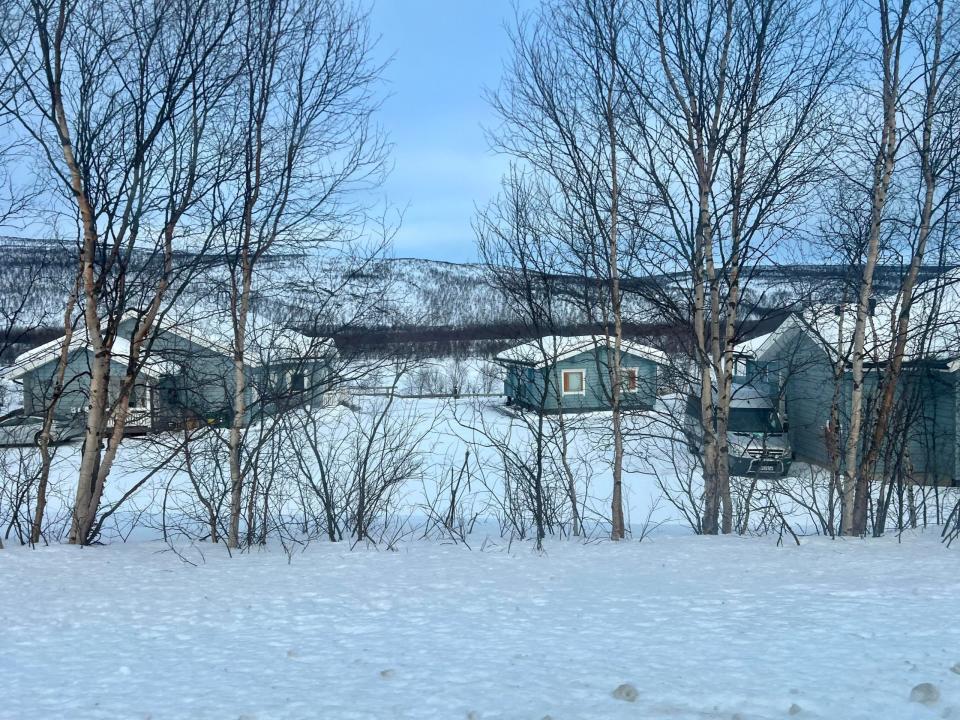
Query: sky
444	53
441	55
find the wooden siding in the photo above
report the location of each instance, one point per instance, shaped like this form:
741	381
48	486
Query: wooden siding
805	375
541	389
38	385
200	384
203	380
927	407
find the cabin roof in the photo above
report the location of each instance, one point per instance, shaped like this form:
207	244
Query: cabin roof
266	343
41	355
752	346
831	326
552	349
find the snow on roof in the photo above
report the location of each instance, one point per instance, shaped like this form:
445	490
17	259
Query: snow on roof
751	347
933	333
554	348
32	359
266	343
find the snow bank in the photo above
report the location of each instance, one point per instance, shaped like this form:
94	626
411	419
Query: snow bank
700	627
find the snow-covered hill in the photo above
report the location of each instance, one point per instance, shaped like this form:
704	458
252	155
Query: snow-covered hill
393	292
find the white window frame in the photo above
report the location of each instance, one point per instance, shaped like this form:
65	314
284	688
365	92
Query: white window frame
583	381
626	380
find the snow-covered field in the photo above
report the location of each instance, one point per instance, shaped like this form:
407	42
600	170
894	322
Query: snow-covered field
442	429
675	626
699	627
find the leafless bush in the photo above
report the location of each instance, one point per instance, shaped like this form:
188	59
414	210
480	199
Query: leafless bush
529	468
19	470
450	505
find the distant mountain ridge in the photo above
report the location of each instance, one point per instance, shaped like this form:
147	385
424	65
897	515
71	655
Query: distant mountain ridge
409	292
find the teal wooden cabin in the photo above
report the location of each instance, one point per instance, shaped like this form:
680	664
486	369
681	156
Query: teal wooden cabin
560	374
187	376
801	357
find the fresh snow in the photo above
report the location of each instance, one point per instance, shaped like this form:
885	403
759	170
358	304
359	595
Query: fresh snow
554	348
937	305
700	627
675	626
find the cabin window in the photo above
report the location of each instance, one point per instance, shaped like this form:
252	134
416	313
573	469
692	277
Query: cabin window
574	382
138	397
741	366
298	382
631	379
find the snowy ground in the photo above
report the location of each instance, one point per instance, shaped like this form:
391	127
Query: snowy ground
701	627
445	428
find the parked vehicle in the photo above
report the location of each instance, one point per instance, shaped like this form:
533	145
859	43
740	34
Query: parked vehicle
756	433
22	429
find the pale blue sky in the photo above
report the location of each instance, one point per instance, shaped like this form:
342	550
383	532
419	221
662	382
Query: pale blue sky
445	52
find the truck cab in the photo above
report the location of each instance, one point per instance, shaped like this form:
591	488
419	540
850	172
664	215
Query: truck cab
757	441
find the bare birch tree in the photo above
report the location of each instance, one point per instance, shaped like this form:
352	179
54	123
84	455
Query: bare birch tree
116	99
561	105
892	28
305	136
731	111
918	57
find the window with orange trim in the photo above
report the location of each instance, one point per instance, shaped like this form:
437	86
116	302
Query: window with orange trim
574	382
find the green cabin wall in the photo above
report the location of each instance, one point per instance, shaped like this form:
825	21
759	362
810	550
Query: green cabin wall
271	385
927	402
540	389
38	385
203	385
930	408
804	375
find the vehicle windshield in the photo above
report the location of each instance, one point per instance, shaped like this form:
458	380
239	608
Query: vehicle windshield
754	420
